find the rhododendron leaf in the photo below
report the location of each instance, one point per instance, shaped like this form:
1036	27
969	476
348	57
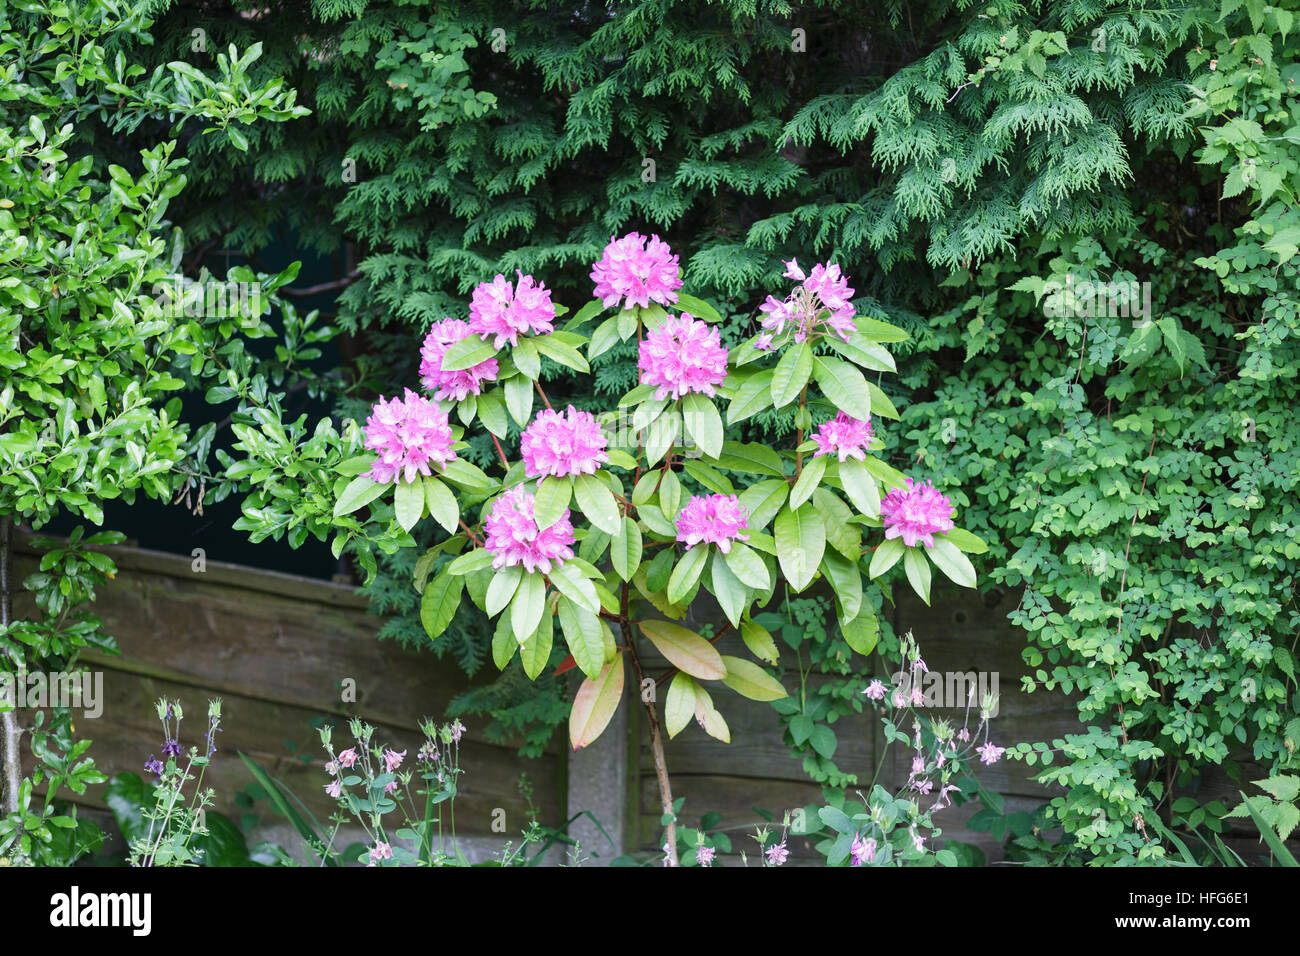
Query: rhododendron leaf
501	589
627	322
652	315
759	641
360	491
685	649
562	352
687	573
593	544
703	423
584	635
809	478
846	579
746	352
468	476
751	458
504	644
885	557
526	359
880	403
595	703
466	409
918	572
679	705
878	331
358	465
550	501
470	561
596	503
860	486
747	566
698	308
670	495
728	589
536	651
948	559
661	435
408	503
578	589
492	413
625	550
637	396
869	355
442	504
749	680
467	353
763	500
751	396
653	518
844	385
621	459
709	717
863	631
965	541
645	488
892	477
659	570
439	602
709	477
841	533
800	542
604	338
762	541
519	399
588	311
791	373
527	607
658	598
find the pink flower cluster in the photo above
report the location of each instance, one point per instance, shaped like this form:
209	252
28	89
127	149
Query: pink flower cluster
506	309
514	538
844	436
682	355
863	851
712	519
822	298
408	434
457	385
916	513
568	443
636	272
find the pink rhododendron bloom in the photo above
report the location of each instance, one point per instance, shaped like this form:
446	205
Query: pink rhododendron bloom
843	436
875	690
682	355
393	760
514	538
505	309
821	299
457	385
989	753
408	433
562	443
347	757
704	855
916	513
778	854
712	519
862	851
637	272
334	789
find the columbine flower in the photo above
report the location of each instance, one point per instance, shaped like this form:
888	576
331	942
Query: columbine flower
154	766
559	444
334	788
380	851
393	760
456	385
457	729
821	299
172	748
875	690
918	841
778	854
989	753
408	433
348	757
899	699
844	436
918	765
704	855
514	538
332	768
391	786
636	272
963	735
428	752
712	519
917	698
916	513
682	355
505	309
923	787
863	851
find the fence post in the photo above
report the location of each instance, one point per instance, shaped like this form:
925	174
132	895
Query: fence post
598	782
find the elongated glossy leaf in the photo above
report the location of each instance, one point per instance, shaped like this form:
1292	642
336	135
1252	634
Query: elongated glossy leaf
809	478
408	503
467	353
748	566
753	396
860	486
470	561
527	607
763	500
752	458
439	602
551	500
800	542
573	585
759	641
965	541
687	573
679	705
863	631
685	649
360	491
625	550
597	503
697	308
703	423
501	589
519	399
847	581
948	559
442	503
844	385
536	651
584	635
749	680
918	572
885	557
727	588
595	703
791	374
709	717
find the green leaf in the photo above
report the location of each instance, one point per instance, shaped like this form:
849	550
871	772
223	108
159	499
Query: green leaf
965	541
625	550
703	423
442	503
727	588
751	458
753	396
880	403
686	573
860	486
844	385
759	641
679	705
551	500
439	602
408	503
360	491
470	561
948	559
748	566
885	557
685	649
791	374
800	542
536	651
492	413
863	631
501	589
809	479
504	645
467	353
763	500
595	703
697	308
527	607
918	572
519	398
571	583
562	352
749	680
847	581
584	635
597	503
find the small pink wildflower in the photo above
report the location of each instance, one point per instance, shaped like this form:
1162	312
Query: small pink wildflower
393	760
409	433
778	854
504	309
843	436
899	699
989	753
347	757
391	786
334	789
704	855
455	385
380	851
916	513
712	519
457	728
332	768
637	272
863	851
562	443
682	355
963	735
514	538
875	690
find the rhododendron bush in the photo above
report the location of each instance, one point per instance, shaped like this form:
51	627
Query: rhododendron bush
612	527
